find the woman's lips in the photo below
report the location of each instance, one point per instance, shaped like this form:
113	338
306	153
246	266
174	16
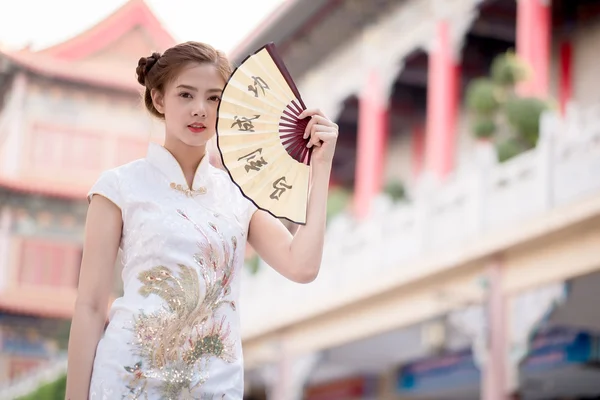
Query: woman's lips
197	128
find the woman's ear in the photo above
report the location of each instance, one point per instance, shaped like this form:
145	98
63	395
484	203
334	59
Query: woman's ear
158	100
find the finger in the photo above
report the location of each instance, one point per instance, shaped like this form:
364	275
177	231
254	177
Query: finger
317	144
318	133
318	120
311	112
327	136
324	121
323	137
314	137
309	128
327	129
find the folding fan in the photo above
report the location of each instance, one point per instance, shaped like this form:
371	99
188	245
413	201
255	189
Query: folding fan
260	137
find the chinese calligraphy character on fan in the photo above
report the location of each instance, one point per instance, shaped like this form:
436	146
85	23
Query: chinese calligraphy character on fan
280	187
251	163
244	123
259	83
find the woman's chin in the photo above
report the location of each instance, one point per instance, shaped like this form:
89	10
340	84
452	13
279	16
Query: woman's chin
197	140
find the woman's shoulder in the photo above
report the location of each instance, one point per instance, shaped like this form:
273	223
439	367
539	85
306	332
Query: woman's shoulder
110	182
131	168
124	172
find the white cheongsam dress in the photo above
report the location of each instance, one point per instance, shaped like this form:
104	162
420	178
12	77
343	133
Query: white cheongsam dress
174	334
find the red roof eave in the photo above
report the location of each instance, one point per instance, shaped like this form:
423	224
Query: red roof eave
44	189
132	13
66	60
73	72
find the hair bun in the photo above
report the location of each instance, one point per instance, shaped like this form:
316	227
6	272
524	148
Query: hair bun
145	64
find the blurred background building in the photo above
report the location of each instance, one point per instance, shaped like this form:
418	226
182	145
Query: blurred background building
68	112
461	256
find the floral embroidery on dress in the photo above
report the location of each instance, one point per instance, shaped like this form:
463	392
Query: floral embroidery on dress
176	344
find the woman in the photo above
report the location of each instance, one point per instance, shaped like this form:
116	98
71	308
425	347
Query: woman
182	226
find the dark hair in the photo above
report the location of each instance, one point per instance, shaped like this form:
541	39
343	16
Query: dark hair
156	71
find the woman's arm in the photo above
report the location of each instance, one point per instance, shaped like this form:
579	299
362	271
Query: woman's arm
102	237
298	257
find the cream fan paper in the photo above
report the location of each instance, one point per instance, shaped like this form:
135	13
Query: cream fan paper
260	137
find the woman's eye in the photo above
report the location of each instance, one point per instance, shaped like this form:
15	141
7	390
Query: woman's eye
185	95
215	98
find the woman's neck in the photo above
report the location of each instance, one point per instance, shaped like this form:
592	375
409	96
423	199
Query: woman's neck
188	158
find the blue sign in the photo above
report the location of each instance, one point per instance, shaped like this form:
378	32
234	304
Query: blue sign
23	347
23	336
551	348
442	372
560	346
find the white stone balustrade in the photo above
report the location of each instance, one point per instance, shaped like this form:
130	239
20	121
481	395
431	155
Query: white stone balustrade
564	167
35	379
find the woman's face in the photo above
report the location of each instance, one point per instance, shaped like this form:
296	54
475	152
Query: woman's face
190	103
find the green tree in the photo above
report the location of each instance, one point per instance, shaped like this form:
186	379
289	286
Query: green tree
49	391
499	113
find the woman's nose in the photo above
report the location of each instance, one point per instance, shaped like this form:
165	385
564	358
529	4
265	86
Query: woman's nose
200	109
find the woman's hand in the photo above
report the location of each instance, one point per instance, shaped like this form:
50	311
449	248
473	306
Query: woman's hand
298	258
323	134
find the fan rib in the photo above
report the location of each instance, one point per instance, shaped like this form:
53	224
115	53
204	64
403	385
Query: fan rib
273	80
292	139
261	65
287	119
290	126
296	132
295	150
298	108
284	71
252	108
294	117
283	165
277	101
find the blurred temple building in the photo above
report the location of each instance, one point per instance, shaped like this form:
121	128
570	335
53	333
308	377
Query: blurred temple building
67	113
459	263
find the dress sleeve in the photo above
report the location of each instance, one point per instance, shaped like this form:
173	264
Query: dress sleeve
251	209
107	186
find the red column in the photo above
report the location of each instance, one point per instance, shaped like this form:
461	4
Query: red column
565	89
442	103
534	21
494	369
372	136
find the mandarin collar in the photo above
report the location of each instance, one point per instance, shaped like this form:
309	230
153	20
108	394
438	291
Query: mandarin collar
164	161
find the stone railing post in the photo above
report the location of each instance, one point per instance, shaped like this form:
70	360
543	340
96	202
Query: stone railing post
546	149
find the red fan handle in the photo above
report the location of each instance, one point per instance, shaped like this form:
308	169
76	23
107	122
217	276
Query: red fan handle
291	133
